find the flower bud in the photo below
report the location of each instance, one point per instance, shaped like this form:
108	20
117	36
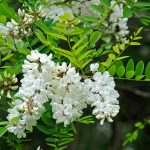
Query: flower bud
15	80
1	79
5	83
2	92
14	87
8	94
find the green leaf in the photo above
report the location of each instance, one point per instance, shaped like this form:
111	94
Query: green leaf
84	55
127	12
112	56
44	129
112	70
86	63
76	30
53	140
8	11
139	68
138	31
60	29
63	51
139	77
2	123
42	25
8	56
142	4
137	38
106	2
123	57
120	71
147	71
46	118
17	68
130	65
22	47
3	19
79	50
2	131
98	9
59	36
65	141
116	49
130	74
135	43
40	35
78	43
88	19
95	36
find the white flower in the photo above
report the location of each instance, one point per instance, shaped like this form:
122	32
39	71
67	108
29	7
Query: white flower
39	148
68	101
103	96
94	67
55	11
83	7
118	24
31	95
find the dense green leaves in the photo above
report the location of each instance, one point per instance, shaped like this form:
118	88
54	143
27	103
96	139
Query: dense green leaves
147	71
131	70
2	131
8	12
142	4
127	12
95	36
78	53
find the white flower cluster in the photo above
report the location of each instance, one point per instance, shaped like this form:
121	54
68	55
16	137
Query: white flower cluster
83	7
118	24
67	99
7	84
68	94
18	29
80	7
115	25
54	11
102	95
32	94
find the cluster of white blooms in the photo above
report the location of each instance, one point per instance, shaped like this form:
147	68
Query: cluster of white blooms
54	11
32	94
102	95
80	7
20	28
83	7
68	94
67	99
118	24
7	84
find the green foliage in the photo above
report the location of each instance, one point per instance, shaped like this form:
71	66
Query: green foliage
58	135
144	13
8	12
2	128
86	120
78	50
117	51
132	136
130	70
127	12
